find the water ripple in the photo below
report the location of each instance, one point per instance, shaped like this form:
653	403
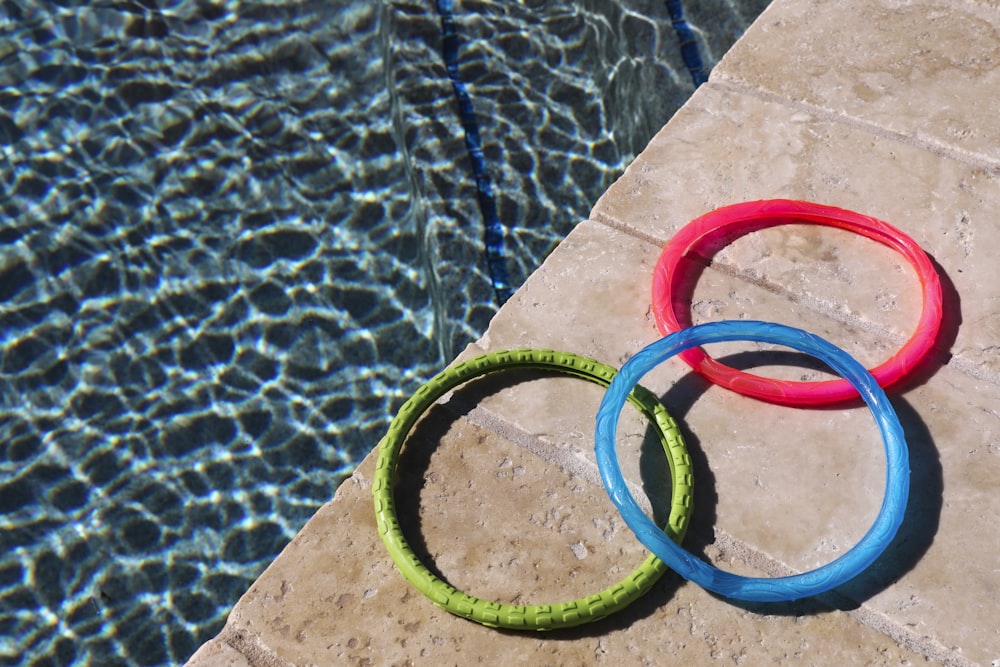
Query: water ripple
234	237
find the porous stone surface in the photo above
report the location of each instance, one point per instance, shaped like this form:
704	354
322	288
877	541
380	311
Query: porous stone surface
526	531
879	107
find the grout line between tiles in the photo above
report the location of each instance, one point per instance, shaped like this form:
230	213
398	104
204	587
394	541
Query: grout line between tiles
825	308
820	306
978	160
845	317
573	462
920	644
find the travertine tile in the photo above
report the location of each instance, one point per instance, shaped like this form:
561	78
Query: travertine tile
940	578
801	486
907	67
334	597
724	148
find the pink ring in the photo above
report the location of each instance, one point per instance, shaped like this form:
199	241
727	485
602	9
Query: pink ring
721	227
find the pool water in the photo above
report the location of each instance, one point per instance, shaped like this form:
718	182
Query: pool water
234	238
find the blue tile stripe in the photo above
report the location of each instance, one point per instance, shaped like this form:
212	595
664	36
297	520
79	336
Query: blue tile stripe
688	42
496	258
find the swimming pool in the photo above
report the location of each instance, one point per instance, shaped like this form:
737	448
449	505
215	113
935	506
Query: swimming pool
234	238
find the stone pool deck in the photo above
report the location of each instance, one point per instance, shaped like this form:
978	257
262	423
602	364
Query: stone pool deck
880	106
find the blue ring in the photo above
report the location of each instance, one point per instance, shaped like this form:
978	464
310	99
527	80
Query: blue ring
822	579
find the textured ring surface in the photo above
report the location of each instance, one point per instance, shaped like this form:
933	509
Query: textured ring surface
672	310
822	579
526	617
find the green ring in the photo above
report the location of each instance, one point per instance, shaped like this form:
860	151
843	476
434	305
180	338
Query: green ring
527	617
